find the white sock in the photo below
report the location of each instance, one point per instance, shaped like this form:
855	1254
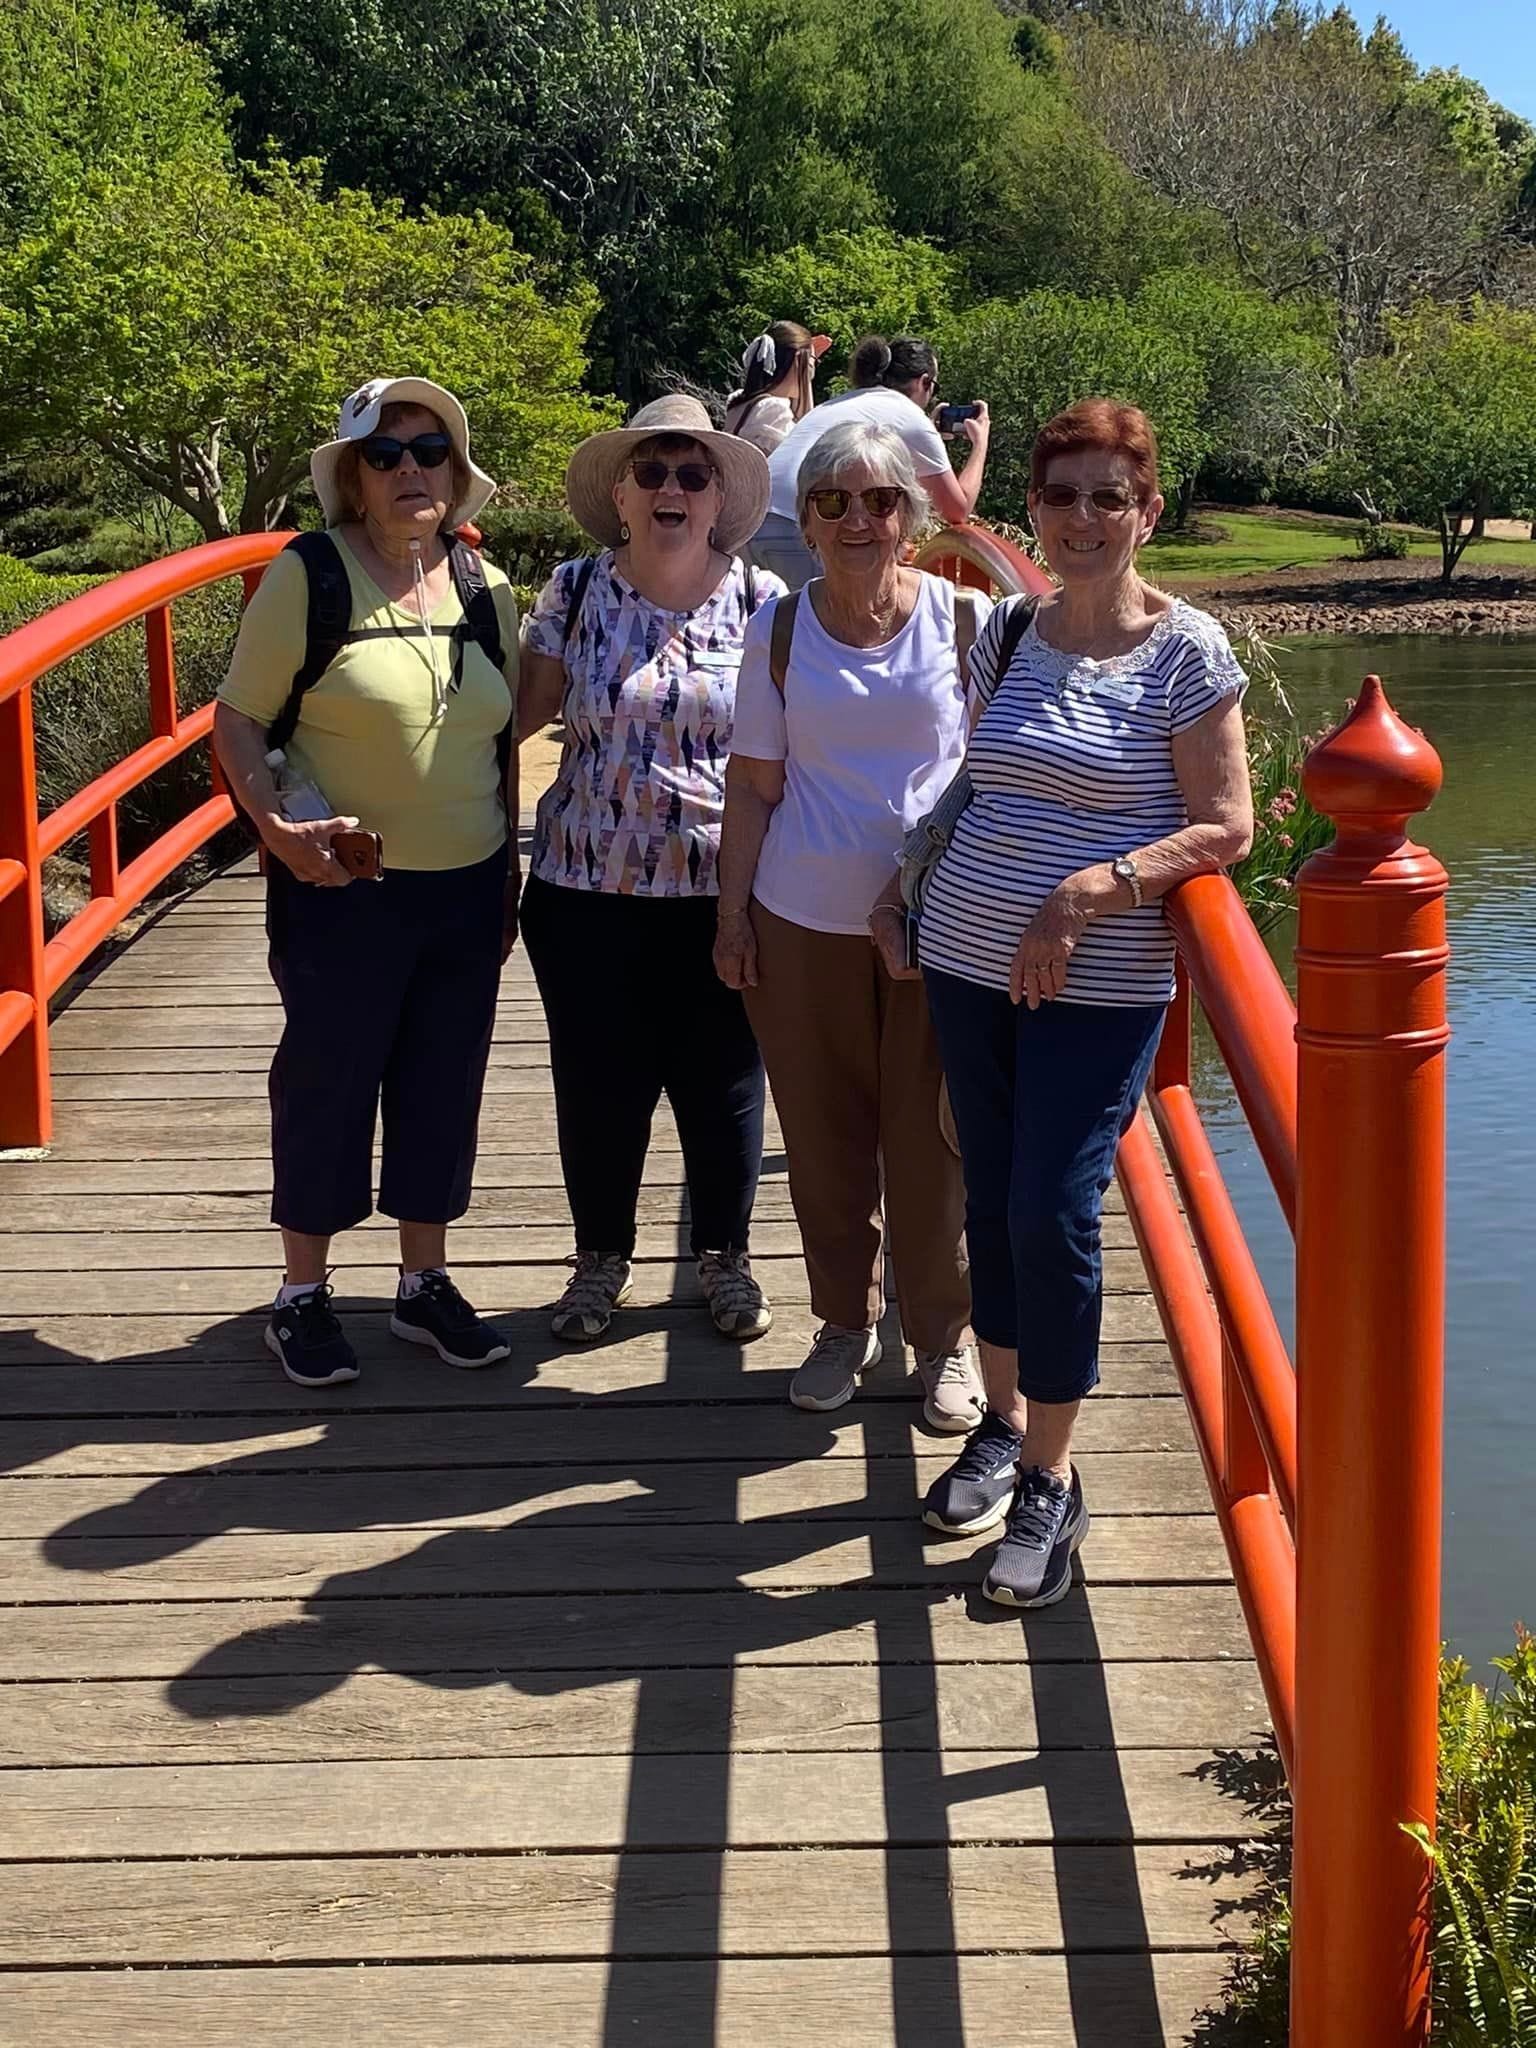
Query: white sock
285	1294
410	1283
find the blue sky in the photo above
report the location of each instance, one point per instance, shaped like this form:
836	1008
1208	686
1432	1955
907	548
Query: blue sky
1493	41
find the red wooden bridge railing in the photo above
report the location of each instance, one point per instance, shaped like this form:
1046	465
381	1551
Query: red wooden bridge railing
1325	1476
31	968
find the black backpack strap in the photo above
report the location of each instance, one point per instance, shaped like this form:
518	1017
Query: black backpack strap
481	623
1019	616
327	624
578	594
749	576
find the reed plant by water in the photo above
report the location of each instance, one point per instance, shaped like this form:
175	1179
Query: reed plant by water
1484	1859
1286	829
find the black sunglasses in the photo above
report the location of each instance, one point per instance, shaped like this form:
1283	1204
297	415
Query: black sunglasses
428	451
1107	498
651	475
879	501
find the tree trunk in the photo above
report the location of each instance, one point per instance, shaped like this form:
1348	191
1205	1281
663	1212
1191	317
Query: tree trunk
1186	504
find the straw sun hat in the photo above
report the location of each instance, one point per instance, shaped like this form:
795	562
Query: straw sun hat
599	462
360	416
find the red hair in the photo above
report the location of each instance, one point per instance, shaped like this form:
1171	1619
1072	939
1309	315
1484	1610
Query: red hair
1099	423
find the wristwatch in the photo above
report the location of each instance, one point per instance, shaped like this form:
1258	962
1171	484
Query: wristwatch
1124	870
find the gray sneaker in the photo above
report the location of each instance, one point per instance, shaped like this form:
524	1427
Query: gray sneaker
829	1377
596	1288
953	1398
736	1302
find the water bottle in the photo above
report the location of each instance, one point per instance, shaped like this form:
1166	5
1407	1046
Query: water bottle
299	799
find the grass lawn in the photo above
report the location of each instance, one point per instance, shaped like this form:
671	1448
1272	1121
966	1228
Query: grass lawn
1260	542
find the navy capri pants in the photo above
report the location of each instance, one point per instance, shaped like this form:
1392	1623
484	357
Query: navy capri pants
389	996
1040	1098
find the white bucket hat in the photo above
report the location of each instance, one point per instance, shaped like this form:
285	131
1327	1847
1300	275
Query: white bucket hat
360	416
599	462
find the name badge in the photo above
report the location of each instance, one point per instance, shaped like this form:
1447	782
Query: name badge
1114	689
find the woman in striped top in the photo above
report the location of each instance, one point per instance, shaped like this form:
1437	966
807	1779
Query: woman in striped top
1109	765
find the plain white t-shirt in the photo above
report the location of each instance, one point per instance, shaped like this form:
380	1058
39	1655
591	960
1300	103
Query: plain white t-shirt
880	407
870	738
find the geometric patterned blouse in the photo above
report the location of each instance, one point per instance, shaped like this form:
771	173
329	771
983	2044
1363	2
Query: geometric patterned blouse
650	698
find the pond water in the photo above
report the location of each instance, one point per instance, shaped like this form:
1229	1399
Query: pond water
1476	701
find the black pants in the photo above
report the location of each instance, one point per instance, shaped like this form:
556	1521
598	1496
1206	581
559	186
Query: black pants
635	1009
389	998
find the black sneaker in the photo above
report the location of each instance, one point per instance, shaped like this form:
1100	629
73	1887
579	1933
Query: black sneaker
307	1338
1032	1566
974	1493
437	1314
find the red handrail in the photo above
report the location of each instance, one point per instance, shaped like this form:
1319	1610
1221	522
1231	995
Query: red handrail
30	970
1325	1478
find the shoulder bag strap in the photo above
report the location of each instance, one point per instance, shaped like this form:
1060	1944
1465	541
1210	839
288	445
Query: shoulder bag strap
578	594
782	637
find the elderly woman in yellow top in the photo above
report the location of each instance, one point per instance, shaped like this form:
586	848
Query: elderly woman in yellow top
380	659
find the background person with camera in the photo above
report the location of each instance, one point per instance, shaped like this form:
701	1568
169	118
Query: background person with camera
895	384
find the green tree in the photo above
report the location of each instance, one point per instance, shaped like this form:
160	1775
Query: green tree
200	332
95	85
846	286
587	126
1331	180
1270	400
1030	357
1446	422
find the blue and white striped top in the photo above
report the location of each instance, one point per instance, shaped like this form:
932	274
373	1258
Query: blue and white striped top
1072	764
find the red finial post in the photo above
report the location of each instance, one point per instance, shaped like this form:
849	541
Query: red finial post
1370	1308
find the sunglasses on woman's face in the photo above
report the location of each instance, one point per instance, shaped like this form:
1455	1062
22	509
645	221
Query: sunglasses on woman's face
879	501
428	451
693	477
1106	498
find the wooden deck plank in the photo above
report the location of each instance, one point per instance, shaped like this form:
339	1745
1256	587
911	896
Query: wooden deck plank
1006	1708
769	1902
661	1333
646	1711
844	2002
254	1246
587	1633
827	1490
605	1433
466	1805
495	1287
565	1557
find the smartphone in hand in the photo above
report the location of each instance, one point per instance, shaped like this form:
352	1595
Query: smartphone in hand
360	853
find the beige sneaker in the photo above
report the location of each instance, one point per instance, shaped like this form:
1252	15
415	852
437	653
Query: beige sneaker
736	1302
829	1377
596	1288
954	1399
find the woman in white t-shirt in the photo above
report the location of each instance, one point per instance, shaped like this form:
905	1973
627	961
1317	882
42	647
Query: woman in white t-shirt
778	384
850	721
894	385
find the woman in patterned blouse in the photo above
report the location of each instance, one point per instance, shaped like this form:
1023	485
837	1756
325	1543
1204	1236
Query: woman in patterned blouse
636	653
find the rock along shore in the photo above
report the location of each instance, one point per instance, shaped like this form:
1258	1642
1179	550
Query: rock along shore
1445	615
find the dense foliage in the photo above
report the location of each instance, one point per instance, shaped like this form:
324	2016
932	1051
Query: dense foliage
219	214
1484	1876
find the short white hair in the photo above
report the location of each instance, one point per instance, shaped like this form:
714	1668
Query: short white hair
863	444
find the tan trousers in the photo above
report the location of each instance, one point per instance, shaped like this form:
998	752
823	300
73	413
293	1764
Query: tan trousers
855	1073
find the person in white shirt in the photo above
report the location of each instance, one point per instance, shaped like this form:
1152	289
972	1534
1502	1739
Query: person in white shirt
894	385
778	384
850	721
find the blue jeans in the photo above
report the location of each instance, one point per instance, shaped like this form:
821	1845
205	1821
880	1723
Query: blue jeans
1040	1098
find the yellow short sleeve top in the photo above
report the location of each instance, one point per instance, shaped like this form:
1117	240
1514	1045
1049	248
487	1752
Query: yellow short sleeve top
367	732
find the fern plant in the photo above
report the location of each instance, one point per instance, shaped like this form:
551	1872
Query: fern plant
1485	1856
